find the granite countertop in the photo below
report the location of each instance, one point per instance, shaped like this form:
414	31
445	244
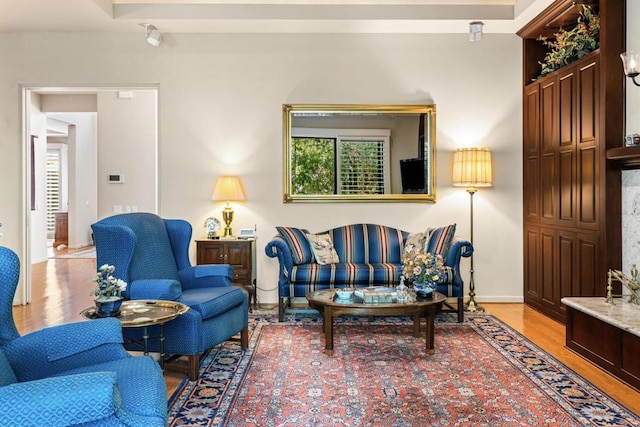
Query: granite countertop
623	314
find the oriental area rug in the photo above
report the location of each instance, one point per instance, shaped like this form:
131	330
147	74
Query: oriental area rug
483	374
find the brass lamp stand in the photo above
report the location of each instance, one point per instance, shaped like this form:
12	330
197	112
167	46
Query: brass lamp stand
227	216
471	304
472	169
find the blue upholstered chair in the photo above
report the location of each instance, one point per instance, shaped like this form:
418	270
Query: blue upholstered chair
72	374
151	254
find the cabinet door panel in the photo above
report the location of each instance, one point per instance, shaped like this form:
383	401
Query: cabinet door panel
590	281
549	153
210	254
566	110
567	145
588	103
237	255
548	256
531	189
566	172
549	117
531	122
548	186
566	266
587	188
532	263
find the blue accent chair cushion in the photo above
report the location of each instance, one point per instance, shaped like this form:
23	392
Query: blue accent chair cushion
72	374
151	254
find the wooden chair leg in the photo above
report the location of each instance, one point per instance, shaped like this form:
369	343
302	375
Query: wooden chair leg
280	309
194	367
244	338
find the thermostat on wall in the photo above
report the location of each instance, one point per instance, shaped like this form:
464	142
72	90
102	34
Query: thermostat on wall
115	179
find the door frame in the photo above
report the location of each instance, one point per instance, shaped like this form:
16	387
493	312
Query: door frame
23	292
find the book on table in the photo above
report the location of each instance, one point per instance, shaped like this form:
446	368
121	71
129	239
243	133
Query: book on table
377	294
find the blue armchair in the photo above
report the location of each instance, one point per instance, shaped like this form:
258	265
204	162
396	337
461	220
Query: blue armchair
151	254
72	374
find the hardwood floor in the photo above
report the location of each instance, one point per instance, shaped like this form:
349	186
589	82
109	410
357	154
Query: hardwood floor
61	291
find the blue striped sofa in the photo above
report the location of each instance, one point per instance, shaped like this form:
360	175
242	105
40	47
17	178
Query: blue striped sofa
369	255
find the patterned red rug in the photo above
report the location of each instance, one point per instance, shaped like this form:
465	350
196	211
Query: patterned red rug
483	374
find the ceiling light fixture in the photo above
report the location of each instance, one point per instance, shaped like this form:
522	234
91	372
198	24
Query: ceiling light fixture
475	31
152	33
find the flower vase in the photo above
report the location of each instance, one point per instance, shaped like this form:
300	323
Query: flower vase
424	290
108	306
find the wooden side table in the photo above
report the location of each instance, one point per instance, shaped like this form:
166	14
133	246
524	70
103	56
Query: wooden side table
239	253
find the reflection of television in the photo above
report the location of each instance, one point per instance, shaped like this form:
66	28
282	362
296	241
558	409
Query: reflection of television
413	177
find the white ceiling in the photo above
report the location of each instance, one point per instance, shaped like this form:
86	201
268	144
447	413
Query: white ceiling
267	16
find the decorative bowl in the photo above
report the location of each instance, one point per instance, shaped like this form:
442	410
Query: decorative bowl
423	291
345	293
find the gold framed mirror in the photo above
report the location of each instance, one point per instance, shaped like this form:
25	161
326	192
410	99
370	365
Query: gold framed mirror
359	153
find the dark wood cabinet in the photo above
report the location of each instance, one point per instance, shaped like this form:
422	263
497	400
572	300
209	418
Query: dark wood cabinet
608	346
240	254
571	193
61	229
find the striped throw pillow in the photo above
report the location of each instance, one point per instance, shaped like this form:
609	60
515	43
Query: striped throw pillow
439	240
298	244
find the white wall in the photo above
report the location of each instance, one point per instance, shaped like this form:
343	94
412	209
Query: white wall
631	179
82	166
127	135
220	113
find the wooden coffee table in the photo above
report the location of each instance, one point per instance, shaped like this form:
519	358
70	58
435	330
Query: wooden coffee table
330	307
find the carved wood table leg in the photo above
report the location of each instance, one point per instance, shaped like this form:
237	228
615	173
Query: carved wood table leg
327	323
429	330
416	325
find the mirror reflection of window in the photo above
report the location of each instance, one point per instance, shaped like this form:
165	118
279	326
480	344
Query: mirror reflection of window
358	153
340	161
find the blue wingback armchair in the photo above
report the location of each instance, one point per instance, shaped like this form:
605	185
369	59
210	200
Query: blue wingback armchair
72	374
151	254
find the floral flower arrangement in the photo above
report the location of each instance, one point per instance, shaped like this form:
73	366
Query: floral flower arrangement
106	284
569	46
422	268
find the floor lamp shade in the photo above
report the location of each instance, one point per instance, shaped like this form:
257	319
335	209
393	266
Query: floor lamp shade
472	167
228	189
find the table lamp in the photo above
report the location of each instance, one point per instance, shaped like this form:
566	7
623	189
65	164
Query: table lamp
228	189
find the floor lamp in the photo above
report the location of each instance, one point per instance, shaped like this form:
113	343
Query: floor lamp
472	169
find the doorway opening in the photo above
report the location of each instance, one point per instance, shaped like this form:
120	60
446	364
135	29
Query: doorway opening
74	138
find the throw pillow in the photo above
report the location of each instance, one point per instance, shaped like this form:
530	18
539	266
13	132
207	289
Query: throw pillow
298	244
439	240
323	250
415	243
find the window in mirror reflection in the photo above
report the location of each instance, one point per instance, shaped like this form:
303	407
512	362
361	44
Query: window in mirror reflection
340	161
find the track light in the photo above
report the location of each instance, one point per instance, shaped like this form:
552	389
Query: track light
475	31
153	34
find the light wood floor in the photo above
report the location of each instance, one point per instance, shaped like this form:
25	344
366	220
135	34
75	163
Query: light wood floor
61	291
